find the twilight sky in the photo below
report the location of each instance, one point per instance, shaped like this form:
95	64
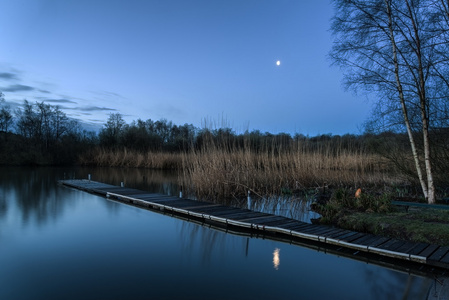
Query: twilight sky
183	60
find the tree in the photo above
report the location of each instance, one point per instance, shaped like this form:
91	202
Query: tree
389	47
27	121
5	116
112	130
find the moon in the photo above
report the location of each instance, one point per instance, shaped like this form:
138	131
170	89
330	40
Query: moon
278	62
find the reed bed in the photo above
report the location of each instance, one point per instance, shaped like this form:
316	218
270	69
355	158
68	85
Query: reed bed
216	172
132	159
226	171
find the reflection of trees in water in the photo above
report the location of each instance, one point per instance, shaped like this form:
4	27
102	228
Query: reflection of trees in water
154	181
388	284
35	192
196	239
3	206
439	289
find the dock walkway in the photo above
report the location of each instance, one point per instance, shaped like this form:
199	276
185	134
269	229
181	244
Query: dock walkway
419	253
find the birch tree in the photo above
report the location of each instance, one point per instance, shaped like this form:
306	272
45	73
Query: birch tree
391	49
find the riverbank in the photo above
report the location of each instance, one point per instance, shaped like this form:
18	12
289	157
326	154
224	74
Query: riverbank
377	215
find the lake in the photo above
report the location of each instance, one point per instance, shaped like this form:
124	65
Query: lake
61	243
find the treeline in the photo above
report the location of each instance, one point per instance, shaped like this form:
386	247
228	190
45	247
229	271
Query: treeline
40	134
163	135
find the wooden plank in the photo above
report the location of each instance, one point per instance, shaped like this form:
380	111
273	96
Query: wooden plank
354	237
373	241
439	254
256	218
268	219
312	230
129	192
429	250
324	231
269	222
305	226
418	248
394	246
293	224
285	222
348	235
208	205
362	240
302	227
335	232
172	203
379	241
387	244
241	215
209	210
160	200
184	204
112	189
223	212
338	233
319	229
445	259
149	197
406	247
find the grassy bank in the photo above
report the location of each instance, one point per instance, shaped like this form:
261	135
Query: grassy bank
376	215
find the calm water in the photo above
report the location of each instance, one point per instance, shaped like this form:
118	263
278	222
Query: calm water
61	243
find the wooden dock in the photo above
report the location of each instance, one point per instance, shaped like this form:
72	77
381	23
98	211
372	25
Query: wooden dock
421	255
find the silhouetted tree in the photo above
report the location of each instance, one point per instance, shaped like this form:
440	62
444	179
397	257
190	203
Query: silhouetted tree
112	130
6	119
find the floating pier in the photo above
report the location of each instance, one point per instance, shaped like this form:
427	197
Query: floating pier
420	255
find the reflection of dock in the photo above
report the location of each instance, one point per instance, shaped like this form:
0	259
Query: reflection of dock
421	255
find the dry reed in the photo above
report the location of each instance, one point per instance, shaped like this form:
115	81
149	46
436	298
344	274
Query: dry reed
132	159
228	171
216	172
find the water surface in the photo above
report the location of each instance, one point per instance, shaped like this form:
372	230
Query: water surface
61	243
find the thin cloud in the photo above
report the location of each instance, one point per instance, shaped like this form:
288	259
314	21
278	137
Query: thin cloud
59	101
8	76
18	88
107	93
95	108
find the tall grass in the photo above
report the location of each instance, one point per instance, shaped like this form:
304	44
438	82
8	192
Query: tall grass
132	159
217	171
224	170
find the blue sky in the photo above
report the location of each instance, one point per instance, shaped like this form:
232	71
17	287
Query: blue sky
182	60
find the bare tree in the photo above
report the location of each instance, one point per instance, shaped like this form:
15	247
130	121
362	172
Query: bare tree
5	116
110	134
391	49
